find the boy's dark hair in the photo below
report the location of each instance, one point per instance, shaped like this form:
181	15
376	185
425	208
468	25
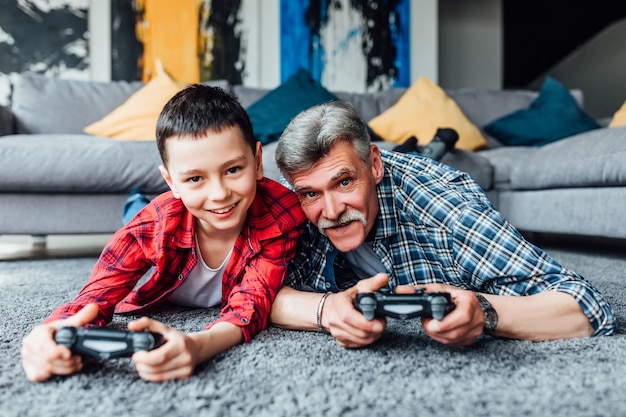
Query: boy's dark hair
199	109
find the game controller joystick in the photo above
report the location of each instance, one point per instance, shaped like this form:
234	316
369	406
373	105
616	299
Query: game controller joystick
106	343
403	306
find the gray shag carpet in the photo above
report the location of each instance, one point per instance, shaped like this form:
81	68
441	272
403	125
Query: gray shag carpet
290	373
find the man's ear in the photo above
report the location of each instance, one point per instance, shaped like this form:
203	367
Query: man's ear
376	164
168	179
259	161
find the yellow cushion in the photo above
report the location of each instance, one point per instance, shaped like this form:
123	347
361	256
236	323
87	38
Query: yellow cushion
136	118
619	118
420	111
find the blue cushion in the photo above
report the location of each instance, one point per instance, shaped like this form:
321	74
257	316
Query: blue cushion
273	112
553	115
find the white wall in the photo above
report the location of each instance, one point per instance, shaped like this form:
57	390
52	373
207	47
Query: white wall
99	26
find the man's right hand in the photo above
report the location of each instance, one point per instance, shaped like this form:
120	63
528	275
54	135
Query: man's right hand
348	325
42	357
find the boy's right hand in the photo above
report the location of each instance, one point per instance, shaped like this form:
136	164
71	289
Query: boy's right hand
42	357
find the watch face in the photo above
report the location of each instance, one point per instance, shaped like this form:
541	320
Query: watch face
491	319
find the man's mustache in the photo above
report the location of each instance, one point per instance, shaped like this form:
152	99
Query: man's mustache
344	218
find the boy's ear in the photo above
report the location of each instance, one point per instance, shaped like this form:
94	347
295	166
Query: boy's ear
168	179
259	161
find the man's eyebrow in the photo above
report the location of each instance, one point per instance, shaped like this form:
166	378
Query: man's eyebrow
341	173
301	188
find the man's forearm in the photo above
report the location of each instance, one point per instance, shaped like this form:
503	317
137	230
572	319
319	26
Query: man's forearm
295	310
546	316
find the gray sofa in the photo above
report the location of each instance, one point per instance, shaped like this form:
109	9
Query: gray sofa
54	179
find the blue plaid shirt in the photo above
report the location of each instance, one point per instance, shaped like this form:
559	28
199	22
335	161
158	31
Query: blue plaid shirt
436	225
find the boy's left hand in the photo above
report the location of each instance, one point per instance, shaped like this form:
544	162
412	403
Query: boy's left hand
175	359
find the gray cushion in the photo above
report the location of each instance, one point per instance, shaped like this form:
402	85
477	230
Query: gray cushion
594	158
370	105
51	105
64	163
504	159
248	95
6	121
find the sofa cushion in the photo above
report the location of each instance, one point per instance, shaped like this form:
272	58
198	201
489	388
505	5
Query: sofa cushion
370	105
137	117
6	121
553	115
619	118
420	111
67	163
503	159
44	104
590	159
273	112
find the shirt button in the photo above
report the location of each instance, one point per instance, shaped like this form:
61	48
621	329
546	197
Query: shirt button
180	277
244	320
328	285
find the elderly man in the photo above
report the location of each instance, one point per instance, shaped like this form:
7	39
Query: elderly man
382	219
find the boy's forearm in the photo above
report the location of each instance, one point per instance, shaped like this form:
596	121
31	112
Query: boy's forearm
219	338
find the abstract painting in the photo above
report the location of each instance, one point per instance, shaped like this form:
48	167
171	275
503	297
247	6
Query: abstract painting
349	45
45	37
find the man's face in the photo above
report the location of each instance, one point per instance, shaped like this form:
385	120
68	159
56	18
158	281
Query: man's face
338	195
215	177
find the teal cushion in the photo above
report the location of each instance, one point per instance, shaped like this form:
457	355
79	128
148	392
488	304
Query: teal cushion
273	112
553	115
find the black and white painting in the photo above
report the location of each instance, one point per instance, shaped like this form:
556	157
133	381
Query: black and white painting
48	37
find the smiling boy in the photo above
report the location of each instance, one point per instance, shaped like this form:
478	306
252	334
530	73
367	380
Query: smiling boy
222	235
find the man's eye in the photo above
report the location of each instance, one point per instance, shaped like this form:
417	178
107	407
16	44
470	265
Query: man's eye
308	194
194	179
345	182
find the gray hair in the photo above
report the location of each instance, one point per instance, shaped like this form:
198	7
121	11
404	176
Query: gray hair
312	133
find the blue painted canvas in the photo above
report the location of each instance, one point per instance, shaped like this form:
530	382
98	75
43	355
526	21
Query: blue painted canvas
349	45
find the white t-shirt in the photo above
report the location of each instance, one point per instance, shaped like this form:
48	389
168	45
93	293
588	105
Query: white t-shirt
203	286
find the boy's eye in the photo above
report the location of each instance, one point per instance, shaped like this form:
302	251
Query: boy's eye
194	179
233	170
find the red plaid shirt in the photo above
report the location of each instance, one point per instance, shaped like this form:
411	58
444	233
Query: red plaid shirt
163	235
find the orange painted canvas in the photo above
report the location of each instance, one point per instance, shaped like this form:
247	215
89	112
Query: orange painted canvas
169	33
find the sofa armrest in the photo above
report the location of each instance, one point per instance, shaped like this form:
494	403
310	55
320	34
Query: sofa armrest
6	121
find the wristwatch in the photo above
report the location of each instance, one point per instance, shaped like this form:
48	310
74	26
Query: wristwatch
491	316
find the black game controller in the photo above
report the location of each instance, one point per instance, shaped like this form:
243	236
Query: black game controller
106	343
403	306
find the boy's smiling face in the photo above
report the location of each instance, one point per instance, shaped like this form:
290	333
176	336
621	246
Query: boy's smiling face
215	177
